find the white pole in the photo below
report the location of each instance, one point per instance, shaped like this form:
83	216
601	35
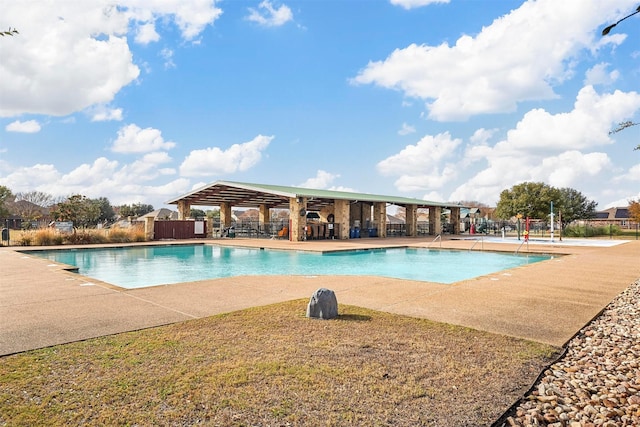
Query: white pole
551	221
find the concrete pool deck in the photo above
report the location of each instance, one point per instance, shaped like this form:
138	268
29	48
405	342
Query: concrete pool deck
41	304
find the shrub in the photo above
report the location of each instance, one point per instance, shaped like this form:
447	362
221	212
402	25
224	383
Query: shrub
49	237
85	237
137	234
119	235
588	231
25	239
46	237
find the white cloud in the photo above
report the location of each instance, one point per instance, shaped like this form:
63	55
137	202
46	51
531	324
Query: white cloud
30	126
270	16
129	183
422	166
146	33
133	139
482	136
633	174
406	129
31	178
568	168
416	159
103	114
167	55
72	55
598	75
552	148
433	196
89	174
498	68
410	4
191	17
215	161
587	125
322	180
623	202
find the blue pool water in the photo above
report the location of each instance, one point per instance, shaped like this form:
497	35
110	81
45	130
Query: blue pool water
137	267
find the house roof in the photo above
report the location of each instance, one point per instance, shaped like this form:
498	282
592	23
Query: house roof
162	213
613	213
242	194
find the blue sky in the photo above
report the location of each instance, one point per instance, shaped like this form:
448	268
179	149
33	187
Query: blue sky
441	100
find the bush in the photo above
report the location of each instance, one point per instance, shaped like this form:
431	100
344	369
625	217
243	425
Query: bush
85	237
588	231
46	237
25	239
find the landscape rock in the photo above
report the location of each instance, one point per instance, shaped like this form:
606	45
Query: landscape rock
323	304
597	377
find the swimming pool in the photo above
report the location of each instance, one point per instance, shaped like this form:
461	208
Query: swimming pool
143	266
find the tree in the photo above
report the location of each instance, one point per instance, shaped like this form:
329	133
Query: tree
32	205
634	211
533	199
107	214
135	210
624	125
10	32
83	212
197	213
529	199
37	198
574	205
6	199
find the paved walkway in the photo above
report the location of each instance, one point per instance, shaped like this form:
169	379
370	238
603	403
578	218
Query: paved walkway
42	305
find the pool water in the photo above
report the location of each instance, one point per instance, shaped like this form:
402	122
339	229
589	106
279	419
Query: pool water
138	267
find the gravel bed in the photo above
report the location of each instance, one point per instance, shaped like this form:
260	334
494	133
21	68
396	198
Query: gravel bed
597	381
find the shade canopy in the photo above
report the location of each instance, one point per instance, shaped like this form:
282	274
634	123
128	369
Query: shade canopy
248	195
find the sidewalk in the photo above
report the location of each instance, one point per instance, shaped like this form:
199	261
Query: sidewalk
43	305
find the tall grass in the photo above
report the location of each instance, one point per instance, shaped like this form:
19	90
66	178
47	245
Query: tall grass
52	237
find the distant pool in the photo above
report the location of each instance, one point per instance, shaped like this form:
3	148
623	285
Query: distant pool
143	266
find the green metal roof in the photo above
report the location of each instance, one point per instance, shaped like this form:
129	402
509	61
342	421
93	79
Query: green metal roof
243	194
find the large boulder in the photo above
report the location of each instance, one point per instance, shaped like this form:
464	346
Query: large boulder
323	304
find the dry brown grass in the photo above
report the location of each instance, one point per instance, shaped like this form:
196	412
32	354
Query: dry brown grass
271	366
52	237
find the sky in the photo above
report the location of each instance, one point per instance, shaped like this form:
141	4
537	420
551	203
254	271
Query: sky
141	101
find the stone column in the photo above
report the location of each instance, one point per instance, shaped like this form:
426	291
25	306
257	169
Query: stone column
380	218
411	220
264	220
148	227
455	219
435	220
184	209
208	225
298	222
225	215
342	213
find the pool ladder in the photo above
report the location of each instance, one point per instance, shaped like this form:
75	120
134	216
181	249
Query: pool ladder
523	242
481	240
438	237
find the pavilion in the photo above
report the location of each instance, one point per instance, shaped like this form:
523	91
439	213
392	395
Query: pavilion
343	209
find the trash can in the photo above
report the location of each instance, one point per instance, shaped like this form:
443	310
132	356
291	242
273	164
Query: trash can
5	235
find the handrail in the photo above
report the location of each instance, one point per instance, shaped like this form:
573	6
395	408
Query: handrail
481	239
523	242
439	236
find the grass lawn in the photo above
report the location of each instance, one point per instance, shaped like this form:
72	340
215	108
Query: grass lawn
271	366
